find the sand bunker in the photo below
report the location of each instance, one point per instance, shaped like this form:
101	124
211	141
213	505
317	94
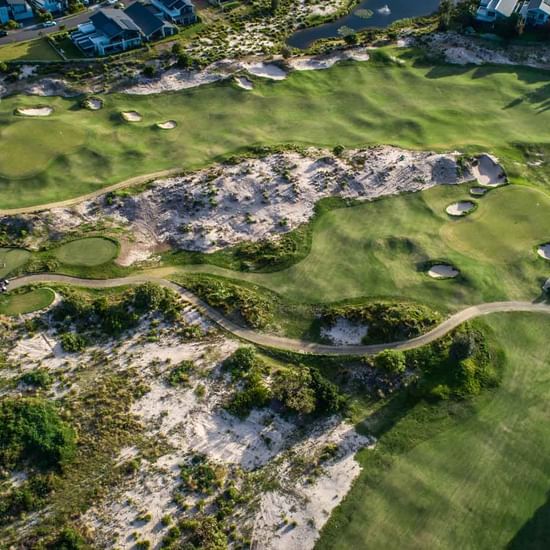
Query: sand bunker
460	208
131	116
93	104
326	61
244	83
168	125
488	171
544	251
34	111
478	191
265	70
443	271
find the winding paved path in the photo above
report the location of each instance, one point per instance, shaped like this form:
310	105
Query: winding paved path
279	342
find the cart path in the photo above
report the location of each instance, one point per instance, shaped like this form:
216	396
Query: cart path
289	344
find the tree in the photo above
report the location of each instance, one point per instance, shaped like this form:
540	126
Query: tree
445	14
274	5
391	361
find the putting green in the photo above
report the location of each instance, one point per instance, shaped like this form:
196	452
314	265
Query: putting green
380	249
480	483
12	258
87	252
30	144
417	105
34	300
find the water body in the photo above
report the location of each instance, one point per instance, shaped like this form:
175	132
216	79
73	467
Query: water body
381	17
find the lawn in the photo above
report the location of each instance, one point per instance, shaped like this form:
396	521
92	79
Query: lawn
353	104
87	252
33	300
381	249
38	49
12	258
480	482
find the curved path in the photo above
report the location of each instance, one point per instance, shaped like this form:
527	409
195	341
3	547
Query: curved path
289	344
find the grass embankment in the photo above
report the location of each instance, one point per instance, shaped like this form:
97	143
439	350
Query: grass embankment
38	49
445	477
375	105
382	249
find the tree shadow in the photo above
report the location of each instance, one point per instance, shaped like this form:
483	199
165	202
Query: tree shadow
535	533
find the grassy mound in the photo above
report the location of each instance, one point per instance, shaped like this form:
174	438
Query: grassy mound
34	300
375	105
87	252
12	258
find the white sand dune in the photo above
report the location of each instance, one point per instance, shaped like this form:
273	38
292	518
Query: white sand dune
167	125
131	116
460	208
443	271
34	111
544	251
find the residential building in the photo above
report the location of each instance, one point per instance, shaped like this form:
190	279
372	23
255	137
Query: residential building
19	10
112	30
52	6
490	11
4	12
181	12
538	12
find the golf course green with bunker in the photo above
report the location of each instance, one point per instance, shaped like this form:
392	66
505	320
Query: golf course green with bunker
26	302
352	104
460	475
384	250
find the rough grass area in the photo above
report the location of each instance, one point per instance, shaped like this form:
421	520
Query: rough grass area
92	251
11	259
353	104
34	300
383	249
33	50
438	479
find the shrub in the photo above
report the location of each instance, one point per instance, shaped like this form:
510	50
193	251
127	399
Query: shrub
179	375
241	361
33	431
68	539
293	388
255	395
205	533
391	361
72	342
39	378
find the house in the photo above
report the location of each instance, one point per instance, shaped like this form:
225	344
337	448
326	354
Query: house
538	12
108	31
51	6
490	11
4	12
178	11
149	22
19	10
111	30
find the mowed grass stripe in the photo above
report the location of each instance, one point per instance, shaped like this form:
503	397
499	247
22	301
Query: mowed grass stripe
354	104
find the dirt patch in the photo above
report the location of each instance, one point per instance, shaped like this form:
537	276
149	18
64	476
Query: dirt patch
460	208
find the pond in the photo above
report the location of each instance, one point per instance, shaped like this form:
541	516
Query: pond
384	12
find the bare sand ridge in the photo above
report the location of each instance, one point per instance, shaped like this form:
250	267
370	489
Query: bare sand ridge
460	208
34	111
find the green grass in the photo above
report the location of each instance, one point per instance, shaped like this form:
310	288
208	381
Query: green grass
89	252
11	259
381	248
33	50
353	104
439	480
33	300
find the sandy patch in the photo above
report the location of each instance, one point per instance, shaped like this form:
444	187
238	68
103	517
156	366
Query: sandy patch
443	271
93	104
460	208
478	191
265	70
344	332
244	83
131	116
544	251
326	61
488	171
34	111
168	125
